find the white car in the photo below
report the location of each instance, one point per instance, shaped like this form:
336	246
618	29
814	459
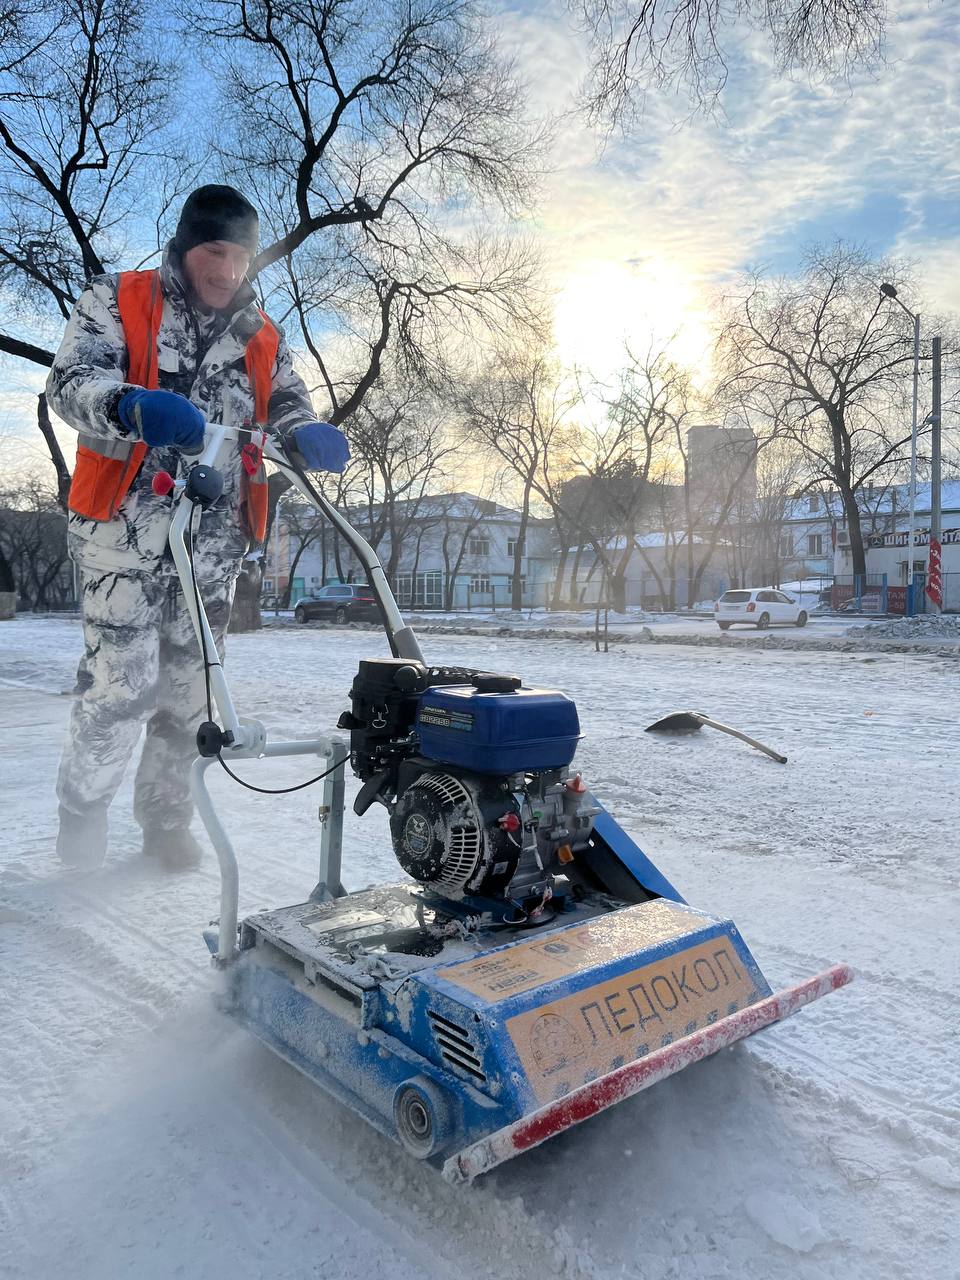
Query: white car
759	607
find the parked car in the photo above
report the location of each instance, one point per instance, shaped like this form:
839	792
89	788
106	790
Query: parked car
759	607
342	602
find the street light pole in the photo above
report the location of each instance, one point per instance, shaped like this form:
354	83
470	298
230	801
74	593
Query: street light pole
913	463
889	291
276	555
936	515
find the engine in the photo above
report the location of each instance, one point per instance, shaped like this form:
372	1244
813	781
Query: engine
475	772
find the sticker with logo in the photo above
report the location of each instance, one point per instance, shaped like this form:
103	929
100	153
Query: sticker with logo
565	951
578	1038
442	718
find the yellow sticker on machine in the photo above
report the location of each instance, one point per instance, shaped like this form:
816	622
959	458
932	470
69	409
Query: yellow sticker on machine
558	954
570	1041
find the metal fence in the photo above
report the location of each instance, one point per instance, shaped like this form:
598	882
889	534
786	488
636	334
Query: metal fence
482	591
867	593
479	592
871	593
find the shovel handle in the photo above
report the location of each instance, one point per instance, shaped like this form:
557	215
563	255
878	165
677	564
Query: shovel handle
744	737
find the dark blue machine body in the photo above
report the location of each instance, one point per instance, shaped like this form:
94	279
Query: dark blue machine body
484	1032
522	731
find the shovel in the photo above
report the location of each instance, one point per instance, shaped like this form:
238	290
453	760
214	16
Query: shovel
690	721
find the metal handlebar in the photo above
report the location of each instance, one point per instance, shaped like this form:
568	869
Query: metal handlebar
401	638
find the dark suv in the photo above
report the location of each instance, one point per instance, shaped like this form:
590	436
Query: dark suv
342	602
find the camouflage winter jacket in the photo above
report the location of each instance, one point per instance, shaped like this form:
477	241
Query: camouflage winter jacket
200	356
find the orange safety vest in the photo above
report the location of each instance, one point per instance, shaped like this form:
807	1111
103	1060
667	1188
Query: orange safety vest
105	469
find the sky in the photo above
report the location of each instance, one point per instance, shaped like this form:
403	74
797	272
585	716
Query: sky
640	234
640	231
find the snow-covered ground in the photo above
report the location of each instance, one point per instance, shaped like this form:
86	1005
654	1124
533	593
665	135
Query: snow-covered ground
143	1135
823	630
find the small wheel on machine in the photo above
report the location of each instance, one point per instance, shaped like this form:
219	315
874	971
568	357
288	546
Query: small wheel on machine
724	626
801	619
300	614
422	1116
763	622
340	617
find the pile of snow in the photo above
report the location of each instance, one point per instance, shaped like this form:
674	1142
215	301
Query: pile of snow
922	627
639	635
532	617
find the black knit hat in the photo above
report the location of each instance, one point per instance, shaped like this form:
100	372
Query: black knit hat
217	213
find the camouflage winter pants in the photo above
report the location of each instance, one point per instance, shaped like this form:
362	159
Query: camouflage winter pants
142	662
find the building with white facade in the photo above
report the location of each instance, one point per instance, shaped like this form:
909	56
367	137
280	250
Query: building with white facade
806	537
885	540
455	551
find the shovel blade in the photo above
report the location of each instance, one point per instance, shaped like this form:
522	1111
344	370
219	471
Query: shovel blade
679	722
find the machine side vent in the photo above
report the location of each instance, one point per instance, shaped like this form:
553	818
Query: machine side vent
456	1046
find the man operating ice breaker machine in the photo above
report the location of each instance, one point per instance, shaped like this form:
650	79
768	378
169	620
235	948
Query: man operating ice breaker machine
534	969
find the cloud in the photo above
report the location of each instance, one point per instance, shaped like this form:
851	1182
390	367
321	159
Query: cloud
671	212
788	162
24	448
939	269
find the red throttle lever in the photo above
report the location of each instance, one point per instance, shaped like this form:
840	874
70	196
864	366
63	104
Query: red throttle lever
162	484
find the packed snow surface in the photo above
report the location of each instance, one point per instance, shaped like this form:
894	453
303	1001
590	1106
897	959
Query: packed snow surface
144	1135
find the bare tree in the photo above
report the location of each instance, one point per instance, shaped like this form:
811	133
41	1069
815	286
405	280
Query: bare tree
8	581
303	527
402	447
648	413
679	45
461	516
84	106
569	518
360	114
33	544
84	115
607	486
593	481
836	358
601	506
517	407
357	122
756	549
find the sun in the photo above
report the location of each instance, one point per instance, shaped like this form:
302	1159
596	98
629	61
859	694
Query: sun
604	305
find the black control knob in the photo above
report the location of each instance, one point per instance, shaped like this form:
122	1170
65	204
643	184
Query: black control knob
204	485
210	739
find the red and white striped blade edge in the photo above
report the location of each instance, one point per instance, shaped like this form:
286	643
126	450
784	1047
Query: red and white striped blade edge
530	1130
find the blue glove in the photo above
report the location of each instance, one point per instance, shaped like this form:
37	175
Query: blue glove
322	446
162	418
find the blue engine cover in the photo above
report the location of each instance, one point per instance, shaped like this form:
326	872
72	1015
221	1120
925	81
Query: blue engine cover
523	731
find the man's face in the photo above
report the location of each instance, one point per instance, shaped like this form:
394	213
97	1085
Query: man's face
215	271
